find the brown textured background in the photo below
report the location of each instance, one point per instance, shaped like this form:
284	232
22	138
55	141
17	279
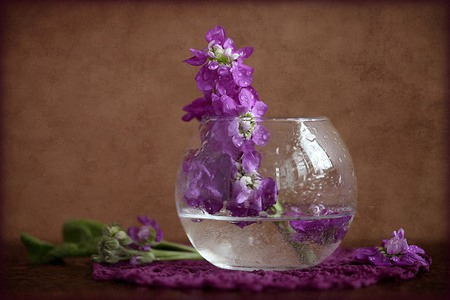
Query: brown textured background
93	95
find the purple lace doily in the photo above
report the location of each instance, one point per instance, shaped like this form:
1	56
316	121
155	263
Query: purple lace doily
339	271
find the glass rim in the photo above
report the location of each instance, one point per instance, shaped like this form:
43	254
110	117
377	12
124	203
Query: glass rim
268	119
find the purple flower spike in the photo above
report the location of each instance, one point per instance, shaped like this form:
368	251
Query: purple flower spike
222	73
223	172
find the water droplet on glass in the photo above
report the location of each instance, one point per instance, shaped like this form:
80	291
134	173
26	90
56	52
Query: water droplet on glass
310	137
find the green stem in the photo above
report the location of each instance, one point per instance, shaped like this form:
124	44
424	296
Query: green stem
175	255
166	245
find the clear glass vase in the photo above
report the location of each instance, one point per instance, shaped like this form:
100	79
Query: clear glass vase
271	194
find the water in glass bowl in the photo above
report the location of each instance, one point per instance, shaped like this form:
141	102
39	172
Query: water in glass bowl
267	243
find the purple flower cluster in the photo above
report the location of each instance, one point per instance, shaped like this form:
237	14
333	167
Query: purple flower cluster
145	236
223	173
394	252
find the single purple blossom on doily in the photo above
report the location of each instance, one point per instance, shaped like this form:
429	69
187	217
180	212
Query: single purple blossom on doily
397	244
145	236
394	252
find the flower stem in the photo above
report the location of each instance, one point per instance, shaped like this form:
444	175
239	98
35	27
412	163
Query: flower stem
175	255
166	245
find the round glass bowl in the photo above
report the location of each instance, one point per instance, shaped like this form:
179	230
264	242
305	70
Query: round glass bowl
270	194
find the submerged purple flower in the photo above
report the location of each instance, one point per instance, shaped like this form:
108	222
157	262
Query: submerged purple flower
394	252
328	228
145	236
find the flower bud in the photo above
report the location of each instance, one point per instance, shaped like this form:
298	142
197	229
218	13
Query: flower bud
111	230
123	238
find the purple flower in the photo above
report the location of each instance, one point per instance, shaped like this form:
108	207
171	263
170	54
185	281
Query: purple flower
145	236
197	109
251	194
327	230
223	106
222	73
207	180
394	252
205	79
251	159
374	256
397	244
246	128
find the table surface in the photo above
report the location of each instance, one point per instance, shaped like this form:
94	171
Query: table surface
20	279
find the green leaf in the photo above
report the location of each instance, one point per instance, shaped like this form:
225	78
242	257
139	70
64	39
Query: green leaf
86	248
38	250
80	231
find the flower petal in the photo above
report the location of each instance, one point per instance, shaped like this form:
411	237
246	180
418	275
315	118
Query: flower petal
245	52
216	34
242	75
261	135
